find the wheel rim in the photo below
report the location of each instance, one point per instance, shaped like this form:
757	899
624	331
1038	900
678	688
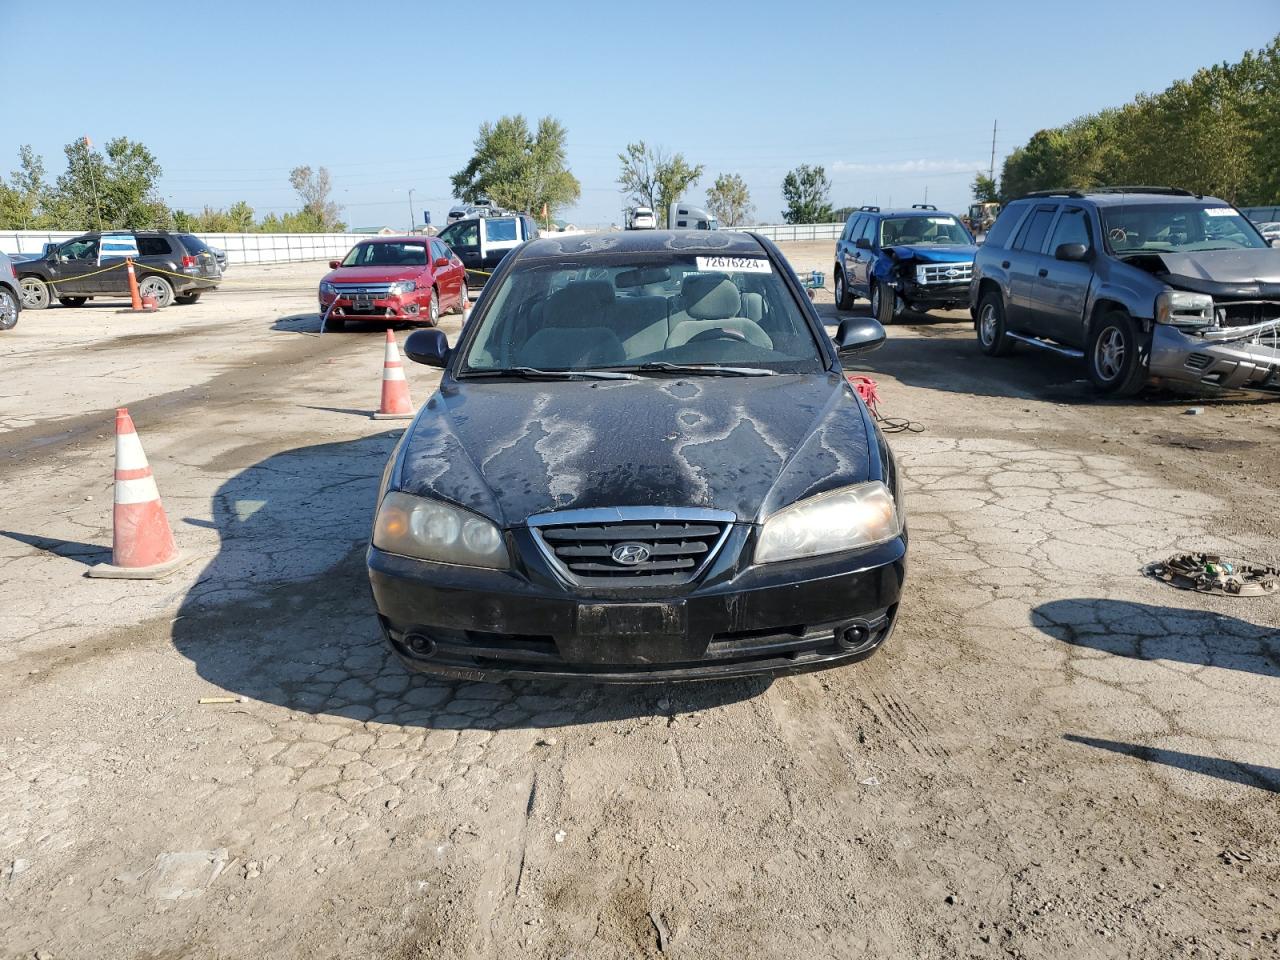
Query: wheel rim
1109	353
987	324
435	308
153	287
875	301
839	289
34	293
8	310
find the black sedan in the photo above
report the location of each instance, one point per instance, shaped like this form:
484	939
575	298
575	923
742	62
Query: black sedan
643	463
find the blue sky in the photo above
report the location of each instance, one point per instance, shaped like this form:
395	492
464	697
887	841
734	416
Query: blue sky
893	98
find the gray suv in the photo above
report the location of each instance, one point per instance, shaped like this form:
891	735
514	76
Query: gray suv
1141	282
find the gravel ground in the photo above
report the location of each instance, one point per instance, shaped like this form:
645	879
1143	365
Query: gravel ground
1054	757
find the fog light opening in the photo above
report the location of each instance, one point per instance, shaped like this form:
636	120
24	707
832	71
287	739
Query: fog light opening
421	645
854	635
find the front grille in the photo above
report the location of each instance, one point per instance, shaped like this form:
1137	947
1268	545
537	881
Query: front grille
631	545
1246	312
376	290
945	273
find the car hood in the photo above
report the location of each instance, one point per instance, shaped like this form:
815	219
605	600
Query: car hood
1225	266
748	446
373	274
935	253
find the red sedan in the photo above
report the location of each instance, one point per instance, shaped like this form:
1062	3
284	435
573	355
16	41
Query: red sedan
394	278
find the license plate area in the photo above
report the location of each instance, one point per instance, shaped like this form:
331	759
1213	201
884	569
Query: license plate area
629	633
362	301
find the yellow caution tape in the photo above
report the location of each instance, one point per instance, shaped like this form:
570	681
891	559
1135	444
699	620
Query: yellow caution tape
180	276
83	276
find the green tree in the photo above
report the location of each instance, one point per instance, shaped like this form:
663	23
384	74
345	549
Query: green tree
520	169
115	189
319	213
729	200
24	201
807	193
984	189
655	179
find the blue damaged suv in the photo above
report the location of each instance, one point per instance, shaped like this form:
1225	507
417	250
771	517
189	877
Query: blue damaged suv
918	259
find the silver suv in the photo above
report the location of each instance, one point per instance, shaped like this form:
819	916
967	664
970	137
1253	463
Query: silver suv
1141	282
10	299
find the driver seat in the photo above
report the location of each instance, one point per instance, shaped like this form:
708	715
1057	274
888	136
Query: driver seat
713	302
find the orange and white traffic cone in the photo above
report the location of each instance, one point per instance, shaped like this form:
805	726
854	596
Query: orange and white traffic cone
139	304
142	545
396	404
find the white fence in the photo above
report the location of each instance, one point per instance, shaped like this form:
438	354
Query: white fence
240	247
797	231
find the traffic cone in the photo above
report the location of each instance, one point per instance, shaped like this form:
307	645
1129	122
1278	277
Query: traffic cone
396	404
466	303
139	304
142	546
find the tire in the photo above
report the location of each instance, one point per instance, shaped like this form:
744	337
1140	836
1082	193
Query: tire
73	301
885	305
1115	356
433	317
990	326
8	309
844	297
158	287
186	299
35	293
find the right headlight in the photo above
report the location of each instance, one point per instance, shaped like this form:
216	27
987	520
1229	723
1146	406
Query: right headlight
1179	308
327	288
832	522
434	530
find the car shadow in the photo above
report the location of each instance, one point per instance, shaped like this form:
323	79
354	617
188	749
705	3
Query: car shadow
283	613
1246	774
1148	632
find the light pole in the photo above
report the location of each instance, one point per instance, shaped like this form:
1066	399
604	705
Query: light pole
412	219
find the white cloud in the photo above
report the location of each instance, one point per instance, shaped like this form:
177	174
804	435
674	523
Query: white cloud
923	167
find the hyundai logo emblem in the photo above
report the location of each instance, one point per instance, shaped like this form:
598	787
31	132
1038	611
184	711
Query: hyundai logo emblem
630	554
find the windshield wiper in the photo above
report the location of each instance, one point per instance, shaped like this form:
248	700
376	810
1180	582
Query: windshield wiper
708	369
533	373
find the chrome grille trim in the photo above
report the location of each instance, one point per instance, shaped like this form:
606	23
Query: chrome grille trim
684	540
375	290
929	273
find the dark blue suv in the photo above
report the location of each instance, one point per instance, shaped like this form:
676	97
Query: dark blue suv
917	259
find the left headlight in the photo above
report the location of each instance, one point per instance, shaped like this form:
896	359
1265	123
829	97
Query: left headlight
844	519
327	289
401	287
434	530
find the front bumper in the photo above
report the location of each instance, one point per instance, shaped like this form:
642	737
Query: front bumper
1187	358
380	308
772	619
933	294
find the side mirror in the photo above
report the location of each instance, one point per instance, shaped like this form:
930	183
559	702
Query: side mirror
50	251
1071	252
862	243
858	335
334	264
427	346
442	262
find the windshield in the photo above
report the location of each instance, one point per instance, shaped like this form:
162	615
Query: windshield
1177	228
605	312
914	230
386	255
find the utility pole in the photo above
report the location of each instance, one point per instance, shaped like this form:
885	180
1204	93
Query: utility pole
412	220
991	174
88	160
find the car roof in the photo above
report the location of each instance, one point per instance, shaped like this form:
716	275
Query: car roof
1122	199
402	239
905	212
697	242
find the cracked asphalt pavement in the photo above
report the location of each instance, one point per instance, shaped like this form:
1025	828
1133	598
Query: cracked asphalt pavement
1055	756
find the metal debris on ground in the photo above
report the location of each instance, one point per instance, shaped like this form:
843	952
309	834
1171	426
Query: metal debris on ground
867	389
1210	573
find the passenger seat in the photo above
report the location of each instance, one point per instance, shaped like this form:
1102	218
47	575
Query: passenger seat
575	329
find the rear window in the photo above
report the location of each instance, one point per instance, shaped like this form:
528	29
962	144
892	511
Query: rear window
153	247
195	246
998	235
500	230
